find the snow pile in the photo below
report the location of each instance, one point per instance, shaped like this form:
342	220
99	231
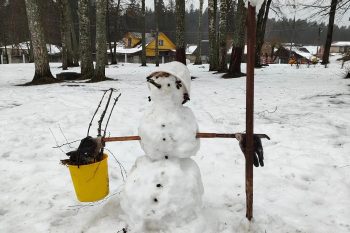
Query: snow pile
162	195
164	190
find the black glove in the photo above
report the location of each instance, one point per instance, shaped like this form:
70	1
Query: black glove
258	158
89	151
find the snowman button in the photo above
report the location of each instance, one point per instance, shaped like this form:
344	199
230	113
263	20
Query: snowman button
163	125
164	139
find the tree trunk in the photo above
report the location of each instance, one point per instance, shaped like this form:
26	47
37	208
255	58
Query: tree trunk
327	47
238	42
260	30
198	60
115	51
222	67
73	36
212	34
68	23
101	41
68	34
41	59
216	45
115	35
109	33
143	54
87	67
156	12
180	32
63	35
30	52
6	56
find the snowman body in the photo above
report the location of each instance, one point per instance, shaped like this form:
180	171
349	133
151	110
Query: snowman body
168	129
164	188
162	195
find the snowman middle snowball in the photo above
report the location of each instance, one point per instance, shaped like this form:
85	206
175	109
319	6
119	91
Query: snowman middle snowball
168	129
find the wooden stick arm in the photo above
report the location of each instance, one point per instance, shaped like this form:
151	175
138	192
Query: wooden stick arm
199	135
121	139
136	138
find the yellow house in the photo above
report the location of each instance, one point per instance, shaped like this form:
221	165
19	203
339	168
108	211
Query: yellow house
165	45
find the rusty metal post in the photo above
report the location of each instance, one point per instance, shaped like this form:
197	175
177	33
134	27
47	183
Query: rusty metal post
251	38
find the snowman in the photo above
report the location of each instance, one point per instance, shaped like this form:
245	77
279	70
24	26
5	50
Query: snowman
163	191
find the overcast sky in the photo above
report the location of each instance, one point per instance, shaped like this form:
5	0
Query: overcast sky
288	11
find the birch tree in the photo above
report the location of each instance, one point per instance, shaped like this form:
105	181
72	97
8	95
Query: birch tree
198	60
41	59
180	31
222	65
86	64
101	41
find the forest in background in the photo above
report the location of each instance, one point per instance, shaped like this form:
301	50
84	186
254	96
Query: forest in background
14	25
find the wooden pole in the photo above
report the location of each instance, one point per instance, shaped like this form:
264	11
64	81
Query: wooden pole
251	38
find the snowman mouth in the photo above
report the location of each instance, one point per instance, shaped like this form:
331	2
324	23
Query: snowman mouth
150	80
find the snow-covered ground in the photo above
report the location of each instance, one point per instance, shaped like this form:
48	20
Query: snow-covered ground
304	186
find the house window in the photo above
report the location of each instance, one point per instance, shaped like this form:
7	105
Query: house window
160	42
129	42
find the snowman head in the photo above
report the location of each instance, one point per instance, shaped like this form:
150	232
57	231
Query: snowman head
171	82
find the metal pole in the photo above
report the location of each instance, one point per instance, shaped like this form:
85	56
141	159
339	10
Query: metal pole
251	38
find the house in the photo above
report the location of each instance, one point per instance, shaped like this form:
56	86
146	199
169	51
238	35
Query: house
191	50
132	48
285	52
340	47
19	53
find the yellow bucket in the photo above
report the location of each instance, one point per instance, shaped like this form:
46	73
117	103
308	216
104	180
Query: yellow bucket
90	181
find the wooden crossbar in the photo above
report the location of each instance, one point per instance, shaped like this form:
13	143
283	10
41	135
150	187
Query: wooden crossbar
199	135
